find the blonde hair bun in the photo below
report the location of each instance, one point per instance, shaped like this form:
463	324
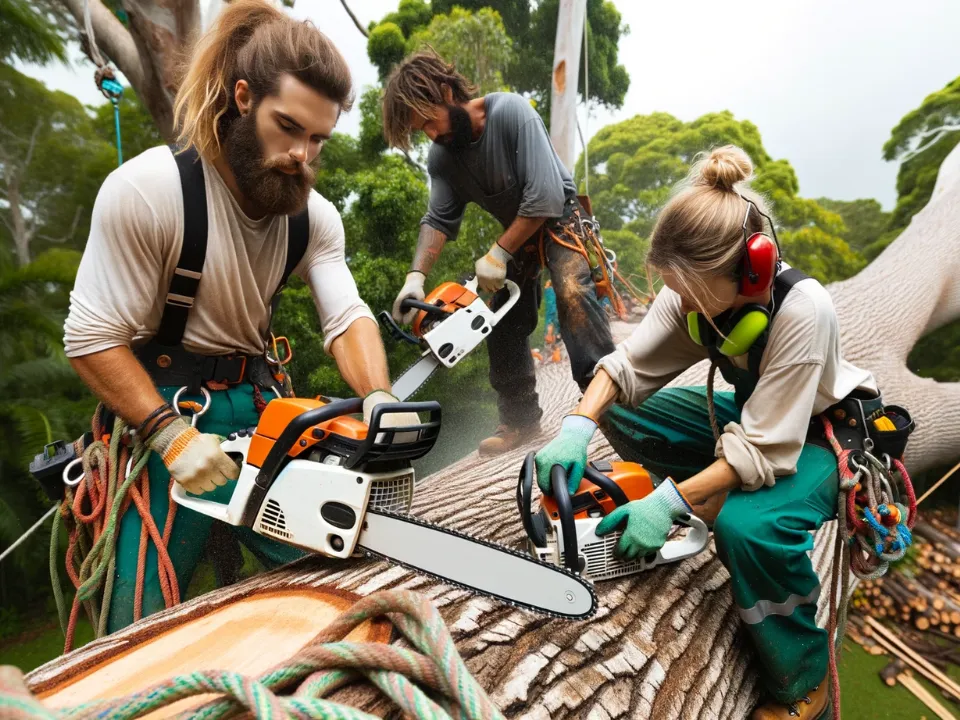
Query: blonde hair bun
723	168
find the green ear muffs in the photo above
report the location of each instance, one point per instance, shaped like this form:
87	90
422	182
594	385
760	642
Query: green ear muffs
739	331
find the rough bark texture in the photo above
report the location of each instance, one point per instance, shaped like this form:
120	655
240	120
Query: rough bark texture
566	71
666	644
148	49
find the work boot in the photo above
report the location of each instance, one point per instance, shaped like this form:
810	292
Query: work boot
506	438
809	707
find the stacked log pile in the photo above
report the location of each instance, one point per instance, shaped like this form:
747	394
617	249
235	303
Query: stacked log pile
913	614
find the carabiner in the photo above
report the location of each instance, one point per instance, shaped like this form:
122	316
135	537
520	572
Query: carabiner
196	415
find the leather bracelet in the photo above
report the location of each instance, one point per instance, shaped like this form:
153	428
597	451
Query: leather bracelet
156	416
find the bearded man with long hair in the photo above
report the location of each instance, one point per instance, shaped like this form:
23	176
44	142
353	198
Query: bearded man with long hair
188	247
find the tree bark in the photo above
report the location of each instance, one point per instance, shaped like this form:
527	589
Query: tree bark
566	72
665	644
148	52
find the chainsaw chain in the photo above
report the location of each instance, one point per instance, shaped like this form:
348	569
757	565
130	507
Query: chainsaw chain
586	584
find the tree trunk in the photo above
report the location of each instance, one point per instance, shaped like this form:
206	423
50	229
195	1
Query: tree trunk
18	223
148	50
566	71
665	644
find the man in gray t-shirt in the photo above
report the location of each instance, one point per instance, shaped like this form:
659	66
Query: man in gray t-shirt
495	151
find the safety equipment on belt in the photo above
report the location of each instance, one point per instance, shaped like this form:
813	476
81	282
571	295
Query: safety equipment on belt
163	356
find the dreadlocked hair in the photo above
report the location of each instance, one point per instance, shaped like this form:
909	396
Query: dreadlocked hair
254	41
416	85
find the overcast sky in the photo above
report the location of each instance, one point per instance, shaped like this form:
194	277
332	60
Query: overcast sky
824	80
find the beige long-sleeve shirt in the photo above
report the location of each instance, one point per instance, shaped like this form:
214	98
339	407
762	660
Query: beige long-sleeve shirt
136	232
802	373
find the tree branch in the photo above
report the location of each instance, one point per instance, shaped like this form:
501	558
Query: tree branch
112	36
69	235
31	146
353	17
937	133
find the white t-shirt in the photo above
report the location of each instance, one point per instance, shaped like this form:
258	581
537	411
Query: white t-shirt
136	232
802	373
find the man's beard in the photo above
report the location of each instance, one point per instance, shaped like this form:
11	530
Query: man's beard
261	181
461	130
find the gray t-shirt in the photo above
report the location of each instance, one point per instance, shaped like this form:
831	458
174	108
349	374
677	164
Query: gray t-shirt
511	170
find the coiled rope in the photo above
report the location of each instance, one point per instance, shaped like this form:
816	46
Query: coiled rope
873	530
429	683
90	513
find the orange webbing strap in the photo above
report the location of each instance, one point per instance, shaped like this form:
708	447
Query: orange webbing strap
605	287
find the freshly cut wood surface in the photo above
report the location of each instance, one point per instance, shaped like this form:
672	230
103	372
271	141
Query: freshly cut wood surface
248	635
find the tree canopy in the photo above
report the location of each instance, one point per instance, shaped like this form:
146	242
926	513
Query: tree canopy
635	165
478	36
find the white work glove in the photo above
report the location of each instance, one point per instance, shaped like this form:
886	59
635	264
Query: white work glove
491	269
194	459
391	420
412	289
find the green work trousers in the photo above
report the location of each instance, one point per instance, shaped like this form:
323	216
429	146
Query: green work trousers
229	410
762	537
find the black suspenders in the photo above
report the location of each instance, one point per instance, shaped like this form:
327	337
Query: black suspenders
163	356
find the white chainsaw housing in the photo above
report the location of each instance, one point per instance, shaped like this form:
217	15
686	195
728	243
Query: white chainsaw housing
597	560
297	508
452	338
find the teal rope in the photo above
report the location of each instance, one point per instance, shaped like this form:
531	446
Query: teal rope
116	122
326	663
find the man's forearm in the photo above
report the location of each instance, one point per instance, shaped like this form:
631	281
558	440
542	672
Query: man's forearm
429	245
519	232
361	358
118	379
716	479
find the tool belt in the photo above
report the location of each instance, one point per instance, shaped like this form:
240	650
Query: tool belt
178	367
855	422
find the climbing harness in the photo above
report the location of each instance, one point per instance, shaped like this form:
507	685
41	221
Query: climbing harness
874	519
326	663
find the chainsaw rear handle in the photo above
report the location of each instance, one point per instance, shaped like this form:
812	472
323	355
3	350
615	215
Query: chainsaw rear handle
210	508
514	294
695	540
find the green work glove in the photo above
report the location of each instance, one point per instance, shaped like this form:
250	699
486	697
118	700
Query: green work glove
568	449
647	521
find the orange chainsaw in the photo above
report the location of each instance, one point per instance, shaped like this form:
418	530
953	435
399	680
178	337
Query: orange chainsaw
563	532
452	321
314	476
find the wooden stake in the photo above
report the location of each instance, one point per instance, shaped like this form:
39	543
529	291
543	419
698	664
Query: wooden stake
921	693
885	637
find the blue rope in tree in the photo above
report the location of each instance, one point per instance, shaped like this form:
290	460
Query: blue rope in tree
113	91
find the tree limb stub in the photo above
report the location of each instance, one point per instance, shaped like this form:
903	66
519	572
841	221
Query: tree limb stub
112	37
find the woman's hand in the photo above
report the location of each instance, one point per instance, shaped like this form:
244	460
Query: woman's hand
569	450
647	521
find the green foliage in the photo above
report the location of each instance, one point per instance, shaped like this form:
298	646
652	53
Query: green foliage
865	220
920	128
385	47
635	165
526	25
35	147
138	132
476	43
30	34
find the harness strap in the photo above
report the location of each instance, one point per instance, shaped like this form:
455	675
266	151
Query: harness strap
166	346
782	285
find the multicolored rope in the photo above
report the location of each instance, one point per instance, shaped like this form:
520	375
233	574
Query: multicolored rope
429	683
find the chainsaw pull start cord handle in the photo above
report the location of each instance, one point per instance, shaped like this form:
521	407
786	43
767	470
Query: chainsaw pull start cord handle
571	549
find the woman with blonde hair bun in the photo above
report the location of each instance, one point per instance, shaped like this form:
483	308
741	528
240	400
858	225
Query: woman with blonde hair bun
773	334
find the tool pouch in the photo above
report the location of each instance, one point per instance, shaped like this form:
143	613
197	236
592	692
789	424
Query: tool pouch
888	441
48	466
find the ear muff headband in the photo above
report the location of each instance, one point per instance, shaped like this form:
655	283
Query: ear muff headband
743	329
738	333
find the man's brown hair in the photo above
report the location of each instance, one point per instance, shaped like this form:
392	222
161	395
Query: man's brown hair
416	85
254	41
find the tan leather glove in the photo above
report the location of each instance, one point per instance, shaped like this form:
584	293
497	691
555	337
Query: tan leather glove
194	459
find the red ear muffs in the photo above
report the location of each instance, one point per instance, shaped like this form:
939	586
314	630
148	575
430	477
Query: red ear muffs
759	266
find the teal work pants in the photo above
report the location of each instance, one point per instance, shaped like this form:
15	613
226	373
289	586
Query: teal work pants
762	537
229	410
